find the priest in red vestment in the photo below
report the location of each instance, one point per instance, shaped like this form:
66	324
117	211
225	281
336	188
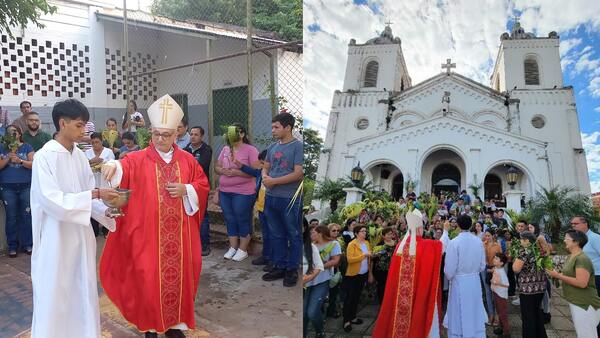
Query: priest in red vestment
412	301
150	267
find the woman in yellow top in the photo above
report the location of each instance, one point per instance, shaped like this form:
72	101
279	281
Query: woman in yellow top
358	256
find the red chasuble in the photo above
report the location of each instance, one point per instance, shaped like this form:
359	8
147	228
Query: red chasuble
150	267
411	292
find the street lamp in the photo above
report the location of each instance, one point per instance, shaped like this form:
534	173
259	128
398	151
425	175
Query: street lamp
512	176
357	174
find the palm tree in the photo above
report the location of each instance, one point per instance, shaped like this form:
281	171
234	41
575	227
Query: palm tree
557	206
332	191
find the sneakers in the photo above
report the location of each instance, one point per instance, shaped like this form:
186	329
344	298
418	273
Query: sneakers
240	255
230	253
516	302
150	335
275	274
291	278
260	261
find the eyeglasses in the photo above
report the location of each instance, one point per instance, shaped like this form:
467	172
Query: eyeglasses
333	230
163	135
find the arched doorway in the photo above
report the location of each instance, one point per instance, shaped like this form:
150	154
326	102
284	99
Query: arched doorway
442	170
385	176
492	185
398	186
445	177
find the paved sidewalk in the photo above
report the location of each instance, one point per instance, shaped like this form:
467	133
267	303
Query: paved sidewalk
232	301
561	325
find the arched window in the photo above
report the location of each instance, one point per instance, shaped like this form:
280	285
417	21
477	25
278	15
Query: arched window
371	74
532	72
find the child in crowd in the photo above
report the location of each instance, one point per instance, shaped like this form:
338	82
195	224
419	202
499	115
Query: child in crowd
500	290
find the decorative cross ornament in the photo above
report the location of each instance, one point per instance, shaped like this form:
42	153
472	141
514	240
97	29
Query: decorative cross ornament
388	23
448	65
165	106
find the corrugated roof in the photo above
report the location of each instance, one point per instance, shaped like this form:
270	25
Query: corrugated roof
197	26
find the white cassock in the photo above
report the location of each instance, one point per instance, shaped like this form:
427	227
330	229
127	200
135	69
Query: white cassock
465	314
434	332
106	155
63	263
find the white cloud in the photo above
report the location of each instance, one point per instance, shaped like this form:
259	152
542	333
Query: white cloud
431	32
592	154
585	64
597	109
594	87
567	45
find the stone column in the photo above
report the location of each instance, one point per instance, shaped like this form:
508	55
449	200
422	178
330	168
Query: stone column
353	195
513	199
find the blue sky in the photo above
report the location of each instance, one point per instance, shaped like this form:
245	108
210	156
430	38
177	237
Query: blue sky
464	30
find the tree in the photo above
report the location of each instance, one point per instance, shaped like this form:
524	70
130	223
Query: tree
331	191
557	206
19	13
283	17
312	149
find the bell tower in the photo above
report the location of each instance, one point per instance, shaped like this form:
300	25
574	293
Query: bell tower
376	65
526	61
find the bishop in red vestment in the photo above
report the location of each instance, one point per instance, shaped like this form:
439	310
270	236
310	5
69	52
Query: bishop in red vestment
412	300
150	267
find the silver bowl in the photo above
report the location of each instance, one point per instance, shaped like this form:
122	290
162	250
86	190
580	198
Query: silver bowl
116	203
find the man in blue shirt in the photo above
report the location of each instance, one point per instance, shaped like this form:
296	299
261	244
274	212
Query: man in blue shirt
183	137
282	174
591	249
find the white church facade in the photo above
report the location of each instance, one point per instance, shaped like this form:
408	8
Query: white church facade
450	132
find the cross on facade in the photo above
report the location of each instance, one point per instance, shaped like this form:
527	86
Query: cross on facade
165	106
448	65
388	23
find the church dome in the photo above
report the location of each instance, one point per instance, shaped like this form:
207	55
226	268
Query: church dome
385	38
518	32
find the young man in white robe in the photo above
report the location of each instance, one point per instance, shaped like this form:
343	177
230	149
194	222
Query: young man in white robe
465	259
63	263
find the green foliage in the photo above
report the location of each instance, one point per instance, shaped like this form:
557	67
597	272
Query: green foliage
10	142
283	17
143	137
331	191
312	149
20	13
309	188
557	206
515	217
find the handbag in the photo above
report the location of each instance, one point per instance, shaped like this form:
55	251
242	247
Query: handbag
335	279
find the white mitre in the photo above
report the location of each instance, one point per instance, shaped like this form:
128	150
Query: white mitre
165	113
414	219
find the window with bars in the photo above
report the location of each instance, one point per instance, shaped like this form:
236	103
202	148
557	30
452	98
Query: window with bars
371	74
532	72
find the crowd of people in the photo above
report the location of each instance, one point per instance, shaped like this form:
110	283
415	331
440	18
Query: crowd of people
240	188
249	181
482	250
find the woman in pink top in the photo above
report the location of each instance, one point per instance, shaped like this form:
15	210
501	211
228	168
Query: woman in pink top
236	194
